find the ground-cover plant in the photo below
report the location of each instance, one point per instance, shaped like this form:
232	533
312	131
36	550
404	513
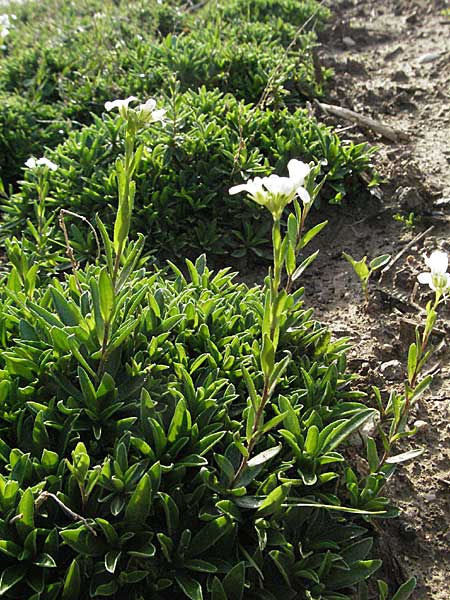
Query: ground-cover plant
87	53
365	271
186	167
177	437
26	127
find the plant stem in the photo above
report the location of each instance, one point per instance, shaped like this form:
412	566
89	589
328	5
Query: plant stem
409	390
273	299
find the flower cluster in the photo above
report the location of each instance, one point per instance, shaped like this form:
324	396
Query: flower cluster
5	24
141	115
275	192
437	278
34	163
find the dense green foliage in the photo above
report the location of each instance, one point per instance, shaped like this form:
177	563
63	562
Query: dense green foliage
169	433
182	201
89	52
116	463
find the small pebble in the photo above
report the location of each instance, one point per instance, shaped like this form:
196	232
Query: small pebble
429	57
392	370
349	42
420	425
430	496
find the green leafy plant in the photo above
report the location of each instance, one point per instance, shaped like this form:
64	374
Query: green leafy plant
395	413
62	77
409	220
364	271
181	200
176	435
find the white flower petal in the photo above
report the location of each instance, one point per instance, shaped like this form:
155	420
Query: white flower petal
303	195
148	106
278	185
437	262
236	189
44	162
298	170
424	278
31	163
158	115
119	103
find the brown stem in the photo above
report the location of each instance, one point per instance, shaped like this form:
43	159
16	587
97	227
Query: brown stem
43	496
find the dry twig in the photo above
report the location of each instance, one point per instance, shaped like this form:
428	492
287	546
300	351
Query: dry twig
411	243
349	115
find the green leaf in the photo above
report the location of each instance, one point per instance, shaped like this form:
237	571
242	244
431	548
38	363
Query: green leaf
171	512
67	311
312	440
217	591
267	356
233	582
209	535
202	566
106	244
83	541
10	548
379	261
191	588
360	267
372	455
25	524
111	559
304	265
88	390
49	460
292	229
44	561
405	456
180	423
107	296
254	397
405	590
138	507
421	387
383	589
358	571
10	577
263	457
274	500
412	361
344	429
278	371
311	234
290	420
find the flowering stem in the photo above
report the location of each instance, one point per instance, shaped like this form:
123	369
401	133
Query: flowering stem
125	201
273	299
304	214
255	431
412	380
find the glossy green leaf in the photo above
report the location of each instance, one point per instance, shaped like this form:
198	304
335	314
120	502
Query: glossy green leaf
138	507
190	587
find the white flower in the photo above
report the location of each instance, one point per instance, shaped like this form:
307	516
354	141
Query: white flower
148	112
279	185
5	24
298	171
275	192
33	163
438	279
122	105
253	187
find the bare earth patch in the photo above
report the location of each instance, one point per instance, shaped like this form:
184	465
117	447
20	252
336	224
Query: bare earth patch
392	63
